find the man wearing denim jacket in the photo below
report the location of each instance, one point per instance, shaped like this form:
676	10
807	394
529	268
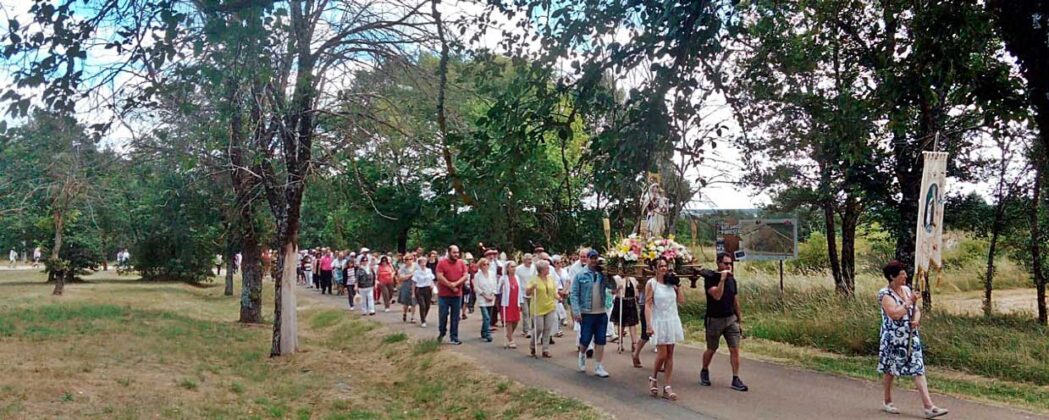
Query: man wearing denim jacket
588	309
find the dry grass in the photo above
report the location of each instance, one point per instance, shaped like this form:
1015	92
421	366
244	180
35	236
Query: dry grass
119	348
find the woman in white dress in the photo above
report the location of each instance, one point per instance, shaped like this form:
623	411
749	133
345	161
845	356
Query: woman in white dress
664	326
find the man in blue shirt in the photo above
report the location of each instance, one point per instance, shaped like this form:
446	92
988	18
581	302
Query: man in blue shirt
588	309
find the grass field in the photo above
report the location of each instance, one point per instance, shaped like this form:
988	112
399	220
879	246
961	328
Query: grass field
118	348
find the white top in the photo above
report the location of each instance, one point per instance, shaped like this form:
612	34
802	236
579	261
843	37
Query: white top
423	277
562	277
13	255
504	288
524	274
485	287
665	321
576	268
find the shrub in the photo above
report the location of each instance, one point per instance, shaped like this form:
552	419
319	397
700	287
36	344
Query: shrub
812	255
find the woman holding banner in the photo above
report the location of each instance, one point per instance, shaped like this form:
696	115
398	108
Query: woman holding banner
900	349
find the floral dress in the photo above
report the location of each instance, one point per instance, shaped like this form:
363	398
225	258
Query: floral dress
892	350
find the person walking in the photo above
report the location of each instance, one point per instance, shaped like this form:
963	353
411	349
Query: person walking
563	283
485	286
325	265
338	272
307	269
624	311
365	276
385	275
350	269
512	301
423	280
525	272
494	273
900	350
406	292
451	275
542	288
588	308
38	254
723	319
662	296
12	258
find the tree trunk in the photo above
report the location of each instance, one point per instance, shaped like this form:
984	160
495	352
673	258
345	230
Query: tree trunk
996	230
60	277
849	220
442	121
832	247
230	264
1036	239
285	324
402	240
251	282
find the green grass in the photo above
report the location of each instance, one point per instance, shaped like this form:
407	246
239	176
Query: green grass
173	350
1011	350
1006	347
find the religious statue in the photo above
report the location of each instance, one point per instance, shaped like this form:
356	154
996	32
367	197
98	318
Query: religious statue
655	207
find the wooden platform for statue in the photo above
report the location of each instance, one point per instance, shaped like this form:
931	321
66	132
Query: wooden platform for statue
643	272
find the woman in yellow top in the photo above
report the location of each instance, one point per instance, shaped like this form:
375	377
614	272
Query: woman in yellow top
542	288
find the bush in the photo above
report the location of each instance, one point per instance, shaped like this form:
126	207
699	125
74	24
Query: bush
812	255
168	254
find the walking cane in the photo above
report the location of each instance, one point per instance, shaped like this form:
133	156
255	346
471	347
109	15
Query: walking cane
535	323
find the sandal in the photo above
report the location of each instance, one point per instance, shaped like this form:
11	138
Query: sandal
513	345
637	362
546	355
653	386
668	394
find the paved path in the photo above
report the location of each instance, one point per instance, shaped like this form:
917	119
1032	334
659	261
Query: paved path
776	391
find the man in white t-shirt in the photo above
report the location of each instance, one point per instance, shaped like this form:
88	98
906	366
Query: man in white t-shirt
12	258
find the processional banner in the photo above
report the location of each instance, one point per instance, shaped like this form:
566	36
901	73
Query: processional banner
929	240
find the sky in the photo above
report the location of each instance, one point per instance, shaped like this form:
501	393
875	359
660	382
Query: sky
723	167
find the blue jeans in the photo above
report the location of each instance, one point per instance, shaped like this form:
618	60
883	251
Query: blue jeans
486	322
449	306
593	327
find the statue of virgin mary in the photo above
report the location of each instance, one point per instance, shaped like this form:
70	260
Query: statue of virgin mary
655	207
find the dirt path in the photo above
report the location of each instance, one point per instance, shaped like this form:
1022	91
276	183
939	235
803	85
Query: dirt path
776	391
1006	301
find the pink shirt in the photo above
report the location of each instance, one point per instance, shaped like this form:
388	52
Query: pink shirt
325	263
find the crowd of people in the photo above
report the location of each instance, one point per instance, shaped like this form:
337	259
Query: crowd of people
537	296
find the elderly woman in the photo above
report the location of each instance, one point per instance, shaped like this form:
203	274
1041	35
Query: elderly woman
365	276
406	291
900	348
485	287
385	275
424	282
512	300
542	291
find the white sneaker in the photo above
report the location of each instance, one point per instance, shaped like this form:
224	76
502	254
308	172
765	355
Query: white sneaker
423	325
889	408
935	412
386	310
600	371
582	361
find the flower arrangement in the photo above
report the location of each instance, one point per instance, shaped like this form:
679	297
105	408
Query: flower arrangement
634	249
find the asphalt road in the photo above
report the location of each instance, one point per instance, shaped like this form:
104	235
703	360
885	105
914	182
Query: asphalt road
776	391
